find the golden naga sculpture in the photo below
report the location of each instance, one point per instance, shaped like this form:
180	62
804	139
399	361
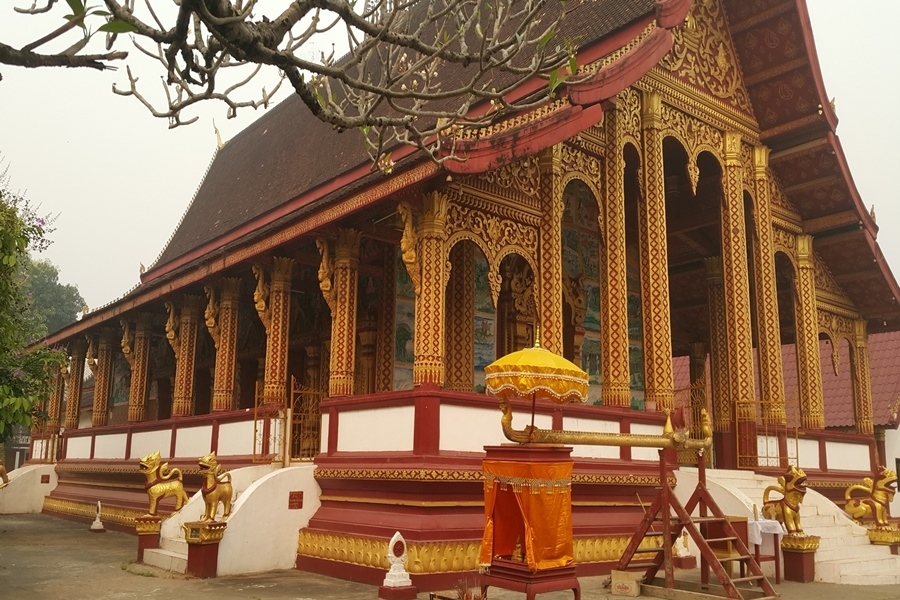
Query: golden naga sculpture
669	438
786	510
4	478
162	482
879	495
216	488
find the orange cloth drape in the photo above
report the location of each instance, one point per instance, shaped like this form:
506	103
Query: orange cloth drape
530	502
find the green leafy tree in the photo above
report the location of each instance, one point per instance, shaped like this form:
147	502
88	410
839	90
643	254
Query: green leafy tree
24	371
52	305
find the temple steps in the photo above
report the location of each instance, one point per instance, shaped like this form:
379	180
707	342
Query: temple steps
263	529
167	560
845	554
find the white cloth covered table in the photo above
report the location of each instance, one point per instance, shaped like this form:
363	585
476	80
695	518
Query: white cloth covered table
755	529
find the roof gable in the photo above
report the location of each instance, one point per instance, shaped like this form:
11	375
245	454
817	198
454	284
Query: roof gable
703	56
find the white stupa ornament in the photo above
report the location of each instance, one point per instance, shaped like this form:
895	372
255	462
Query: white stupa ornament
397	576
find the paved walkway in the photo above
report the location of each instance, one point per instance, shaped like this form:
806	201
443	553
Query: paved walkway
45	558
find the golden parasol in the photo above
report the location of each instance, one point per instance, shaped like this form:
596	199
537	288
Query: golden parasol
536	372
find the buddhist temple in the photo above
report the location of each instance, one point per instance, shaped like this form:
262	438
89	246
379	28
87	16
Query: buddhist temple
682	224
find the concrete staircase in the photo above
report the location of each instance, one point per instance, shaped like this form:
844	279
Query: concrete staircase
845	554
262	530
170	556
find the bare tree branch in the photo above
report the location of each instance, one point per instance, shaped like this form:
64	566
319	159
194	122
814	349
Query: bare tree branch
411	71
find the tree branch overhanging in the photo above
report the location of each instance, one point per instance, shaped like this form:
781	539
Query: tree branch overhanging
410	73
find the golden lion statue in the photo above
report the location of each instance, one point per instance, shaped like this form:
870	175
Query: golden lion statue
792	487
878	496
162	482
216	487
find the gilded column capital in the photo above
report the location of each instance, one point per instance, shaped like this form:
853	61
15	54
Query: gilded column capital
860	334
346	248
434	214
697	350
191	307
761	161
732	148
804	249
713	266
651	104
281	272
231	289
77	347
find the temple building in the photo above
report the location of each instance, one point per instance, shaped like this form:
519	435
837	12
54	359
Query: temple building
689	204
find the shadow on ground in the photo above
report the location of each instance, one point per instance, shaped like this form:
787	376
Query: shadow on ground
45	558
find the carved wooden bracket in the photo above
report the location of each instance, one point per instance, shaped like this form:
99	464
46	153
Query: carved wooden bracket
326	274
261	295
172	326
409	246
211	315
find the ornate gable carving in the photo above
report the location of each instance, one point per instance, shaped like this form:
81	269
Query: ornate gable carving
703	56
520	180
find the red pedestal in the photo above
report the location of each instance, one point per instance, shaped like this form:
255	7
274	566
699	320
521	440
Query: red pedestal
203	560
799	566
146	541
147	528
516	577
407	592
684	562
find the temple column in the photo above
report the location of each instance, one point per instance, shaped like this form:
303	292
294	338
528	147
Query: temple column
277	324
181	331
312	366
428	351
222	322
460	345
574	296
698	385
862	383
102	369
365	379
768	329
549	297
343	312
657	319
721	405
523	308
736	281
74	382
613	275
809	368
139	359
54	405
384	344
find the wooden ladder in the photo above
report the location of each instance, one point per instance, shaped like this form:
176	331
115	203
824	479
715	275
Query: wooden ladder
660	512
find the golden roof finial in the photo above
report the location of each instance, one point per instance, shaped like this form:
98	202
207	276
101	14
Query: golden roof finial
537	336
219	143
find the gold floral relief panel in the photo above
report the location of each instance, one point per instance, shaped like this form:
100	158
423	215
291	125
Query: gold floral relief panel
704	57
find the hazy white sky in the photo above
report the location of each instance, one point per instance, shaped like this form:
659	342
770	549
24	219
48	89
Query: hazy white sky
120	179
